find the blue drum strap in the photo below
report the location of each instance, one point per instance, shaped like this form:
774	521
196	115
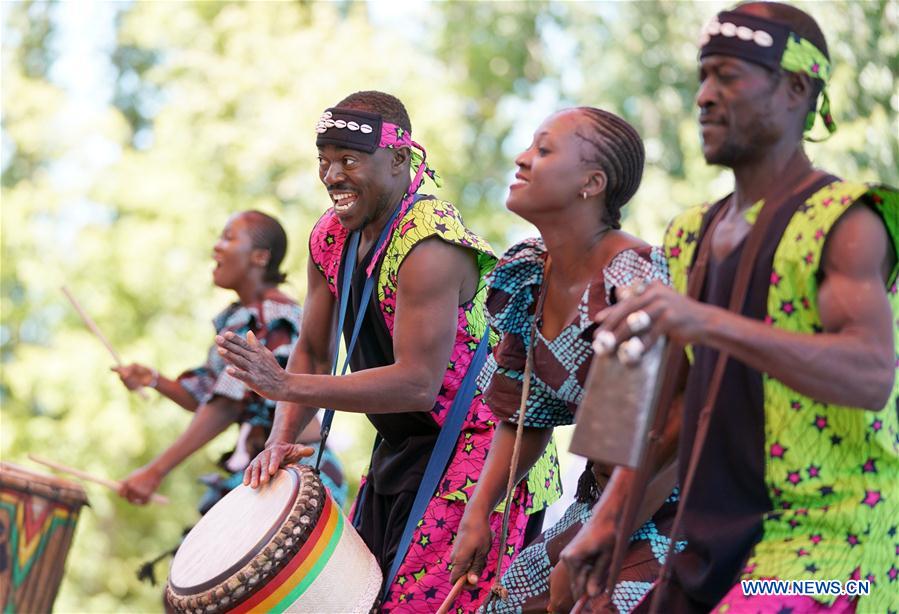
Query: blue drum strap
443	450
349	257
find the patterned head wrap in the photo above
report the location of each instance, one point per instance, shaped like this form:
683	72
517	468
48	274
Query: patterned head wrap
773	45
366	132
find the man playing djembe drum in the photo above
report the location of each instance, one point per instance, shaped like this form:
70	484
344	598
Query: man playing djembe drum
797	477
418	332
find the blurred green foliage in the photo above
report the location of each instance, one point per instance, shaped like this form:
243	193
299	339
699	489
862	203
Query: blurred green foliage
211	111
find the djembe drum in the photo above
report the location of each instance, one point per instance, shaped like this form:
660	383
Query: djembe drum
285	547
38	514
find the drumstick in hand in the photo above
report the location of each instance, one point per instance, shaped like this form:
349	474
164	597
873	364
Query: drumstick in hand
155	497
92	326
448	602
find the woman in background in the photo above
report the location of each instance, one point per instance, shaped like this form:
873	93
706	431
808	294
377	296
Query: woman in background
248	256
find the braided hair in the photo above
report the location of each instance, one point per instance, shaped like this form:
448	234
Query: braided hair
267	233
616	147
390	108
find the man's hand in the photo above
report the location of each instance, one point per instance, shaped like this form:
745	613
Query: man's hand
669	313
138	487
135	376
589	555
253	364
472	545
275	456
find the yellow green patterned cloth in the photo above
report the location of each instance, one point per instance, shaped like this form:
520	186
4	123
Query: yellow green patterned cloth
831	472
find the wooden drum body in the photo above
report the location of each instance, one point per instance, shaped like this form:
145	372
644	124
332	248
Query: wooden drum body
286	547
38	514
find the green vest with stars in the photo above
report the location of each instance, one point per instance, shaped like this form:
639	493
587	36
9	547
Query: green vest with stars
832	472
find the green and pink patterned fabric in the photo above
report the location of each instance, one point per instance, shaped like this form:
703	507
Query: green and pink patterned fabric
831	472
423	579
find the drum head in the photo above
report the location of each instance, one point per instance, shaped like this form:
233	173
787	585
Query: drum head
233	532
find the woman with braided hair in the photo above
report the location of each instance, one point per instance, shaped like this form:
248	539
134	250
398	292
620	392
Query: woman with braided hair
582	167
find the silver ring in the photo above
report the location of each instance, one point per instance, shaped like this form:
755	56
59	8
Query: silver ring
626	292
638	321
604	342
631	351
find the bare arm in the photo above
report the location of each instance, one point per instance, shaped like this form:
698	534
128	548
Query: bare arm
474	538
424	331
209	420
431	281
494	478
172	390
850	363
136	376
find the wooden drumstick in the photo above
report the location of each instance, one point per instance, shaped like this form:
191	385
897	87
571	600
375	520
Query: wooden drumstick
113	484
457	588
92	326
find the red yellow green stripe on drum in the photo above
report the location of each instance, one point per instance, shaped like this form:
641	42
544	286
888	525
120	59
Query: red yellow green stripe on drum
290	549
31	528
38	514
292	581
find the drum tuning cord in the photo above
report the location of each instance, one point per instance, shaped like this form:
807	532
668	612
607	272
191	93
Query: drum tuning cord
147	573
588	490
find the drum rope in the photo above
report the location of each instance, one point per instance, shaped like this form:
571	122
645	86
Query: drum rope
498	590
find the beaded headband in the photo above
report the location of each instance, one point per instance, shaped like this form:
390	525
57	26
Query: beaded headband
773	45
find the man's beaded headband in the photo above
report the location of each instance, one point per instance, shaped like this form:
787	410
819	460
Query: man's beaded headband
770	44
326	122
349	128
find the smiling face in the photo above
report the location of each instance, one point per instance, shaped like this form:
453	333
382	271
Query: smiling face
551	172
742	110
358	183
234	254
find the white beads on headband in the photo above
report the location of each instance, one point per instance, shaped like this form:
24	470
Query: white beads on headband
731	30
325	122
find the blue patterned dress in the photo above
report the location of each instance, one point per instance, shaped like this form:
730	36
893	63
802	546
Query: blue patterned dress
559	370
275	320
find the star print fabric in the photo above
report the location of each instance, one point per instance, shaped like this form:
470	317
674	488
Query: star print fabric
831	473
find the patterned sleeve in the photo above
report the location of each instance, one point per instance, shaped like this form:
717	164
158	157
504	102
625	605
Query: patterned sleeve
635	266
513	288
282	327
325	246
198	382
